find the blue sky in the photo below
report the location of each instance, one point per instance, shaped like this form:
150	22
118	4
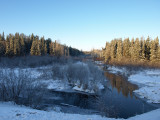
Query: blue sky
84	24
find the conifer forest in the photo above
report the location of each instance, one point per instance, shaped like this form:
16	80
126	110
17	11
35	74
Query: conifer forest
142	52
22	45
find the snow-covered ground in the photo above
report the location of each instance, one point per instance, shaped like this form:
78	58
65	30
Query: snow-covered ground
149	85
9	111
119	70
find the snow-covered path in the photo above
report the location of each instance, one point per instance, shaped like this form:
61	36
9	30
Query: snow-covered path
9	111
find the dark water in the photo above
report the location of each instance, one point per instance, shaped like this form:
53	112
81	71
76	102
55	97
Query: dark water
116	100
121	97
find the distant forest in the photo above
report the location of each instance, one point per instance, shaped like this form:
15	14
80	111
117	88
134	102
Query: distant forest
141	52
22	45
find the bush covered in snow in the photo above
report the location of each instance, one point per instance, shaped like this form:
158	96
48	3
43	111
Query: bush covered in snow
84	76
18	86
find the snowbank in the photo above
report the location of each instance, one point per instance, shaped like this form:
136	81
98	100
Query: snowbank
153	115
82	90
115	70
56	84
9	111
149	83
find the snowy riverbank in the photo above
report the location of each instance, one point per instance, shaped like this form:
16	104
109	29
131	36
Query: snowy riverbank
149	85
147	80
9	111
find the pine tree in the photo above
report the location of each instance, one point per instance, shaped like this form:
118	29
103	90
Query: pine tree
37	50
3	38
22	45
157	45
16	45
7	46
11	42
42	46
33	48
131	49
158	54
107	52
142	47
119	50
113	49
51	46
2	46
137	50
147	49
61	50
45	48
153	51
126	46
48	42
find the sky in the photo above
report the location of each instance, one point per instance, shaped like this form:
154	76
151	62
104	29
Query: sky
83	24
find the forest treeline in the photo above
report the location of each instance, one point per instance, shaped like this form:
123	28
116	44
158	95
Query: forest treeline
22	45
141	52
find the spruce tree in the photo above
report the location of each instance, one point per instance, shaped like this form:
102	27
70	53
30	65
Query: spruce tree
153	51
157	46
42	46
33	48
126	46
7	46
107	52
11	42
51	48
158	54
37	50
119	50
147	48
45	48
137	49
142	47
113	49
132	49
22	45
2	46
16	45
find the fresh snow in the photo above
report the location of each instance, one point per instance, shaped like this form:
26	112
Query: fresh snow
55	84
32	71
115	70
149	84
9	111
82	90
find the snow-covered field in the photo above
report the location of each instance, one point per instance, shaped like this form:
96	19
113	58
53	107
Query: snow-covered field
147	80
9	111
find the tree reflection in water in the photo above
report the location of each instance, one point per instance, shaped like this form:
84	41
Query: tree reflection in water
121	84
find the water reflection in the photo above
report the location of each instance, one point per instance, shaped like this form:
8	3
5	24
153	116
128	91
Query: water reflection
117	101
121	84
